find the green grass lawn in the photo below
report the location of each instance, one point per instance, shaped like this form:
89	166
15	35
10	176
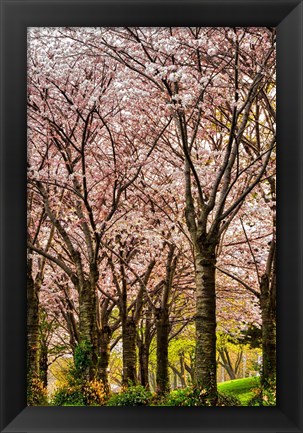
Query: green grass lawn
242	388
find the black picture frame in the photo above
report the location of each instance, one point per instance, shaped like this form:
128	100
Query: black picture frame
16	16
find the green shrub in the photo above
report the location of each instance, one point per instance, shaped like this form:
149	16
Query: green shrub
82	359
131	396
197	397
76	390
264	396
36	393
68	395
91	393
183	397
228	399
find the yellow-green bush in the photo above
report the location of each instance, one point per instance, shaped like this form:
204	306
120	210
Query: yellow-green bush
94	393
90	393
36	393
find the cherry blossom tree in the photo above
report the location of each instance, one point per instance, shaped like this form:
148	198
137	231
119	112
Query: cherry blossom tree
253	247
66	119
190	69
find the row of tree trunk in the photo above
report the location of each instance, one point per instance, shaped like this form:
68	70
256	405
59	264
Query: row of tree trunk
135	342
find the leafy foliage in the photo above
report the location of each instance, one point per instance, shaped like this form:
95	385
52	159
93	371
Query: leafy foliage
82	358
197	397
75	390
265	395
91	393
183	397
228	399
68	396
251	336
132	396
36	393
94	393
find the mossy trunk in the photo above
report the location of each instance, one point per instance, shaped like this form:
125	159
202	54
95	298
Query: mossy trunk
268	315
129	337
204	250
32	328
206	366
88	329
162	326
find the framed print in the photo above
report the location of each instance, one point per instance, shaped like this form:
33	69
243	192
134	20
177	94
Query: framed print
145	211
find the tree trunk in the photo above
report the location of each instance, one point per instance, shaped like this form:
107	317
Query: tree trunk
229	370
43	364
268	332
244	366
144	341
129	337
32	327
143	363
152	380
162	351
206	368
175	381
182	370
191	370
104	354
226	363
88	329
